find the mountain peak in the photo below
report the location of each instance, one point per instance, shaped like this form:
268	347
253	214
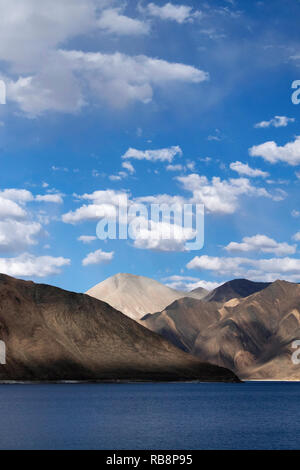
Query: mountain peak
136	295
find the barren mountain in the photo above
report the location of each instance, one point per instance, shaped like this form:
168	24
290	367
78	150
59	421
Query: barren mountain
52	334
252	336
236	289
136	295
198	293
182	321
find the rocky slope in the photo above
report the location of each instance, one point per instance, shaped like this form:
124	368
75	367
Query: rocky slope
137	295
252	336
52	334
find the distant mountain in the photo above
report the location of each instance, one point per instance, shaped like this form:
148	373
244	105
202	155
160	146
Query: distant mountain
198	293
136	295
236	289
252	336
52	334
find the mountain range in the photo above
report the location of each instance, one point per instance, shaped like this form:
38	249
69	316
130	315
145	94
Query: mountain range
54	335
252	335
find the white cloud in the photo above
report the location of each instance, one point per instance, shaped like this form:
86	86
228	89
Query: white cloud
295	214
263	244
188	283
54	198
16	235
115	177
91	212
112	21
174	168
108	196
220	196
261	269
41	27
86	239
160	236
10	209
43	78
54	88
273	153
98	257
69	79
129	167
104	204
277	121
121	79
169	11
296	237
245	169
163	155
17	195
29	265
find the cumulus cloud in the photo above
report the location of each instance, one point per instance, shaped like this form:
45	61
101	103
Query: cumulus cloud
277	121
263	244
220	196
98	257
91	212
18	235
41	27
17	195
162	155
169	11
10	209
160	236
54	88
117	79
246	170
114	22
41	77
189	283
257	269
273	153
103	204
27	265
69	78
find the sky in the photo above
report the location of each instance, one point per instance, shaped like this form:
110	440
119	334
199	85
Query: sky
175	102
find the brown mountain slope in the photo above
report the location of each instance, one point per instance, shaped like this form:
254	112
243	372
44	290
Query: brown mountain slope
52	334
235	289
252	336
182	321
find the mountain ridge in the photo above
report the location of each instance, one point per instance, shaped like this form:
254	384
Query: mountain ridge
252	336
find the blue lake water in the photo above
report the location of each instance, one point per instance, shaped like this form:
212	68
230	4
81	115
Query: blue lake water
150	416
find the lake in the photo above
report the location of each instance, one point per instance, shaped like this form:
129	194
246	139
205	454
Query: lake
150	416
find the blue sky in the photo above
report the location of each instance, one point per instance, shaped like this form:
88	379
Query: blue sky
90	79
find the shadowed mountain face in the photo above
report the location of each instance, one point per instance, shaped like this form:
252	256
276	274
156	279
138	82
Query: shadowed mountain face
253	336
137	295
52	334
236	289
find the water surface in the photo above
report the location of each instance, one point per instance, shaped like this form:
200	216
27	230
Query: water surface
150	416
